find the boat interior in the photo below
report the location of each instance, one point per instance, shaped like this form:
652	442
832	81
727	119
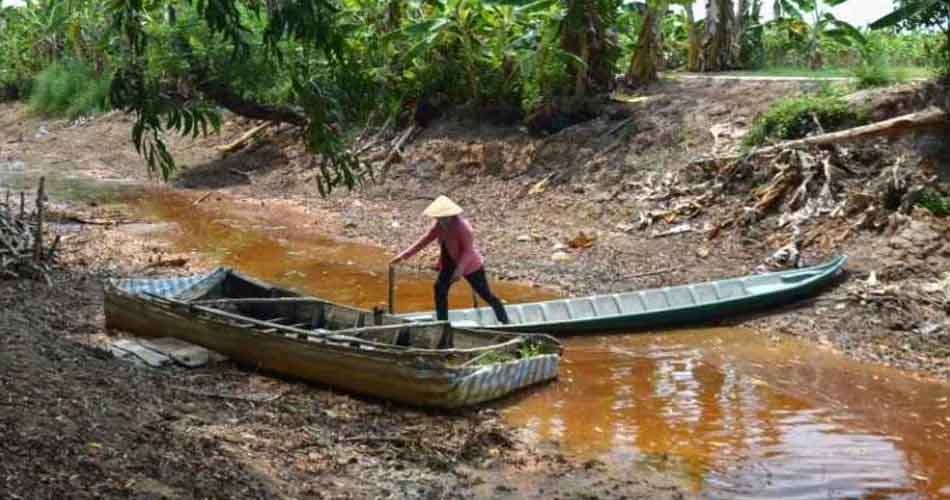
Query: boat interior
277	310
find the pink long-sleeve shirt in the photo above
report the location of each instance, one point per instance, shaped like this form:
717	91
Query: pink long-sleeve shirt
457	239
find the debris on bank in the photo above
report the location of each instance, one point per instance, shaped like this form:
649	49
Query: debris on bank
22	250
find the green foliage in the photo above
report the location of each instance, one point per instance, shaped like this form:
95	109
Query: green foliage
934	202
796	117
70	88
803	33
41	32
527	350
874	70
924	14
187	59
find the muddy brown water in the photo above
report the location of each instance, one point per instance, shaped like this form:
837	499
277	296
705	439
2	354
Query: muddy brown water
735	413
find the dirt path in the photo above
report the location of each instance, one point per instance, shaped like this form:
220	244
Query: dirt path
767	78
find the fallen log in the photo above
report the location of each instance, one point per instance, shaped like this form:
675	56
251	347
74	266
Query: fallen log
931	117
396	152
242	140
894	126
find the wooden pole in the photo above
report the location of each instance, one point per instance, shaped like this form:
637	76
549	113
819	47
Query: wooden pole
22	204
38	243
392	289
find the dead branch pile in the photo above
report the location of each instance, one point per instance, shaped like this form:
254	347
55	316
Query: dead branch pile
858	187
821	194
22	254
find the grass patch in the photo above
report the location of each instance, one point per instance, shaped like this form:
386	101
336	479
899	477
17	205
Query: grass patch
69	88
937	204
798	117
876	74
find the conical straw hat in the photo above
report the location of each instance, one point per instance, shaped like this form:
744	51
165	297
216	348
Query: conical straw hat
442	207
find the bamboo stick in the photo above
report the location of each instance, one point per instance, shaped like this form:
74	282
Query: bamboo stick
392	289
38	239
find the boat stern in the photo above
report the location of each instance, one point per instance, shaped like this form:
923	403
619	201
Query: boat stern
497	380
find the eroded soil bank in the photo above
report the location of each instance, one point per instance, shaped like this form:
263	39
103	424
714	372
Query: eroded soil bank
598	205
79	424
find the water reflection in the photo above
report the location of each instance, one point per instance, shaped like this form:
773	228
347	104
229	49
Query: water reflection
286	247
745	417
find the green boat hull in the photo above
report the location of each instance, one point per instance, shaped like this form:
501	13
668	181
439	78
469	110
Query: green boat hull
662	307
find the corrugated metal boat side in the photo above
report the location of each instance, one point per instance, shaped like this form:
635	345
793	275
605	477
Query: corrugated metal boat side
362	371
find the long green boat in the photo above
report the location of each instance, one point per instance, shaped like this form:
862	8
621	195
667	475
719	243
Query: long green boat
669	306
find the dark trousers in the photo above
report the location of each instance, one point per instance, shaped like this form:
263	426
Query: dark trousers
479	284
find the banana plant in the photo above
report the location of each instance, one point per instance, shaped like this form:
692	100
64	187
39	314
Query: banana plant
807	22
492	45
456	31
647	59
929	14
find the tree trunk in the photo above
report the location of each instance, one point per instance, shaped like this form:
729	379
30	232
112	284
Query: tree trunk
717	49
580	79
584	34
692	33
393	15
738	33
643	68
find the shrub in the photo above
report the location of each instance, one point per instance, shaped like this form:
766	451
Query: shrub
937	204
69	88
876	74
874	69
795	118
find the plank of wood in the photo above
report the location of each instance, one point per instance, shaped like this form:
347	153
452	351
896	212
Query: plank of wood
132	349
181	352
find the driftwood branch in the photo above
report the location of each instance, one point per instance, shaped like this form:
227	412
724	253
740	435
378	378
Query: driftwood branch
203	198
236	397
38	234
242	140
395	153
652	273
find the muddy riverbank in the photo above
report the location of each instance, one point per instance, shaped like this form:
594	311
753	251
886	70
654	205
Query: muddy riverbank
595	207
262	210
79	424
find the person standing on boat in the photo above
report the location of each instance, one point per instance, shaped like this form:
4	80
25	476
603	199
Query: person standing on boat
459	257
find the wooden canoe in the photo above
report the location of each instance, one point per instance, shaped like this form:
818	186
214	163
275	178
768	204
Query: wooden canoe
274	329
670	306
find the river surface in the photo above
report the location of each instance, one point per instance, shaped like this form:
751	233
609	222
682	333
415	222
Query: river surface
736	413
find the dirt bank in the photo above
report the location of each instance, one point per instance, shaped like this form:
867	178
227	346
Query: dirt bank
79	424
593	207
582	210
